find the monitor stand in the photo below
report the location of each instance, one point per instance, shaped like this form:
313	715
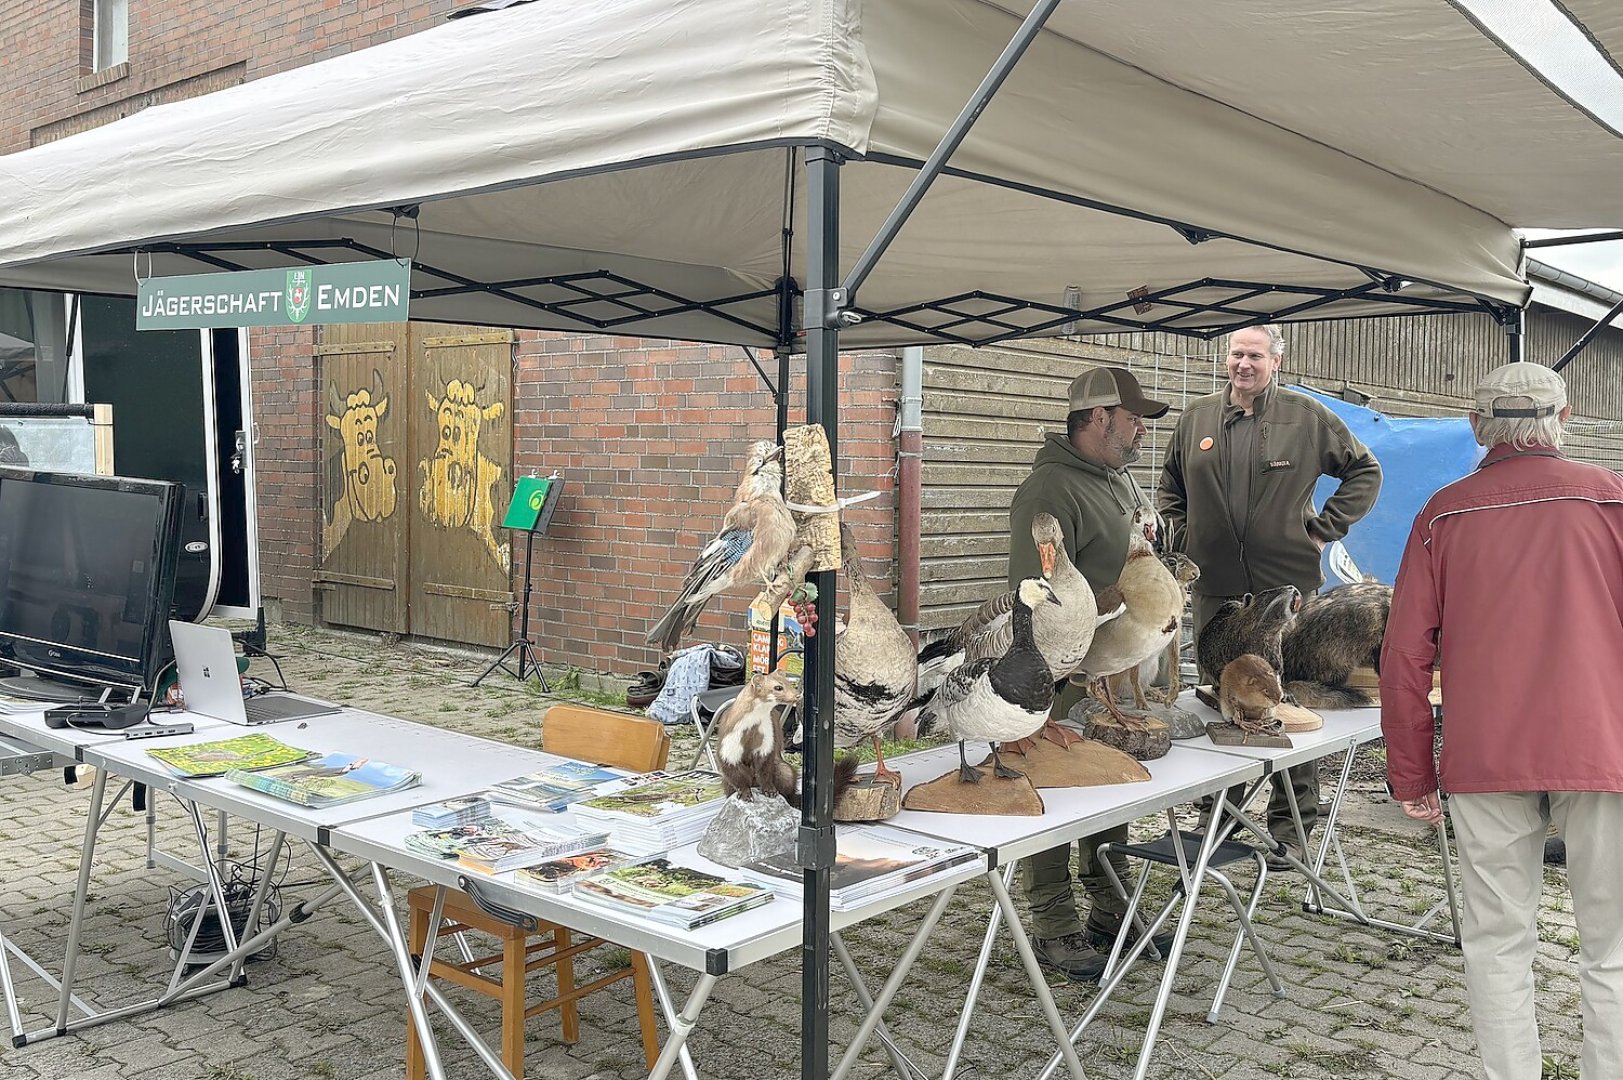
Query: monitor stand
35	688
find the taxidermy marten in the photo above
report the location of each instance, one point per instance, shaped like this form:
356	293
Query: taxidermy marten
1337	630
1252	625
1249	690
750	742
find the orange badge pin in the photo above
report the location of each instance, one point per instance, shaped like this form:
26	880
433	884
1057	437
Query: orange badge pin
1206	443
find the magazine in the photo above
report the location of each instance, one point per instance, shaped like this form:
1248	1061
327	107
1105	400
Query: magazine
244	753
447	843
524	847
557	786
659	797
452	812
559	875
870	861
676	895
328	780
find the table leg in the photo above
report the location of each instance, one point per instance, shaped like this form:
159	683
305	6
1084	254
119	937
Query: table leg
976	977
874	1017
667	1005
87	856
1034	972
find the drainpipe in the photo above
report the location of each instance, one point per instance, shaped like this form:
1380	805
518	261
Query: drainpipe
909	452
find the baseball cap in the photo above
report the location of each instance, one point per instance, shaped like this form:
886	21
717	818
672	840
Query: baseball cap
1522	389
1113	386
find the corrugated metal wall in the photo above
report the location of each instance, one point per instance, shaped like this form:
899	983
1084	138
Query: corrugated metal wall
986	410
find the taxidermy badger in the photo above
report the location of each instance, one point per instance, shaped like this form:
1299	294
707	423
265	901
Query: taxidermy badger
1250	691
750	742
1336	631
1253	625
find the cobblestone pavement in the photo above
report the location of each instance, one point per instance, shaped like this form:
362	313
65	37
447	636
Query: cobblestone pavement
329	1004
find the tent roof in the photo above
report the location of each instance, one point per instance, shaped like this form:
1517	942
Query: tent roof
632	165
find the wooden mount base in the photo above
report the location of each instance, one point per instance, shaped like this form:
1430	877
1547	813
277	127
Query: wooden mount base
869	799
993	795
1228	735
1151	741
1081	764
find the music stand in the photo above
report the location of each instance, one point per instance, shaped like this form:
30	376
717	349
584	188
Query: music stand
529	511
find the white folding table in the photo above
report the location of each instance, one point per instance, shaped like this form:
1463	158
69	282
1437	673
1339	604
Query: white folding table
1344	730
1183	775
710	951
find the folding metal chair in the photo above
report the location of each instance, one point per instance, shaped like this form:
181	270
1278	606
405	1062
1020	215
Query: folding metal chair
1182	855
707	704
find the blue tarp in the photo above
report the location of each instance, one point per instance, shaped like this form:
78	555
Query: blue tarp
1417	457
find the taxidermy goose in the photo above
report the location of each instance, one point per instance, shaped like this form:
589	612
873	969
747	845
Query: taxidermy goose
753	539
875	670
1155	600
1062	634
999	699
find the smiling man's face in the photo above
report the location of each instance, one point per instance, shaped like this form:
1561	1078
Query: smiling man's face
1250	364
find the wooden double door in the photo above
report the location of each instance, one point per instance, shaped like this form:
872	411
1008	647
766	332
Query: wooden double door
417	468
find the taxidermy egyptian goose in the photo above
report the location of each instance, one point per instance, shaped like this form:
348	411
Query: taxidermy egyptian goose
998	699
1182	568
753	539
1155	600
875	670
1062	633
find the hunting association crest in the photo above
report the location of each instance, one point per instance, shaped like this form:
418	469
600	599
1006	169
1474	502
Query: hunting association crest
298	294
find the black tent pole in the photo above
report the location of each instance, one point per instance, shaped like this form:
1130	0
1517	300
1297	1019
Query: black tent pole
816	840
1515	324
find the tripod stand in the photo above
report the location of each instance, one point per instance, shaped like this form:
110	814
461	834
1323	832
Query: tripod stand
531	509
523	649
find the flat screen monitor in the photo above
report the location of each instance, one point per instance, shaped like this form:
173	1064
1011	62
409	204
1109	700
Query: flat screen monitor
87	575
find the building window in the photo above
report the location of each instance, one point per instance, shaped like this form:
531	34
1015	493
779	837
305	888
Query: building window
111	32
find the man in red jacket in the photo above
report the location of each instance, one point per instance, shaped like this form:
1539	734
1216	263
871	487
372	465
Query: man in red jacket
1513	575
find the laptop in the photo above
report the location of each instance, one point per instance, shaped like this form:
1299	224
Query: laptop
206	662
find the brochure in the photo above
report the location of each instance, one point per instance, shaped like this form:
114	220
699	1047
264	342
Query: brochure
676	895
244	753
560	875
557	786
328	780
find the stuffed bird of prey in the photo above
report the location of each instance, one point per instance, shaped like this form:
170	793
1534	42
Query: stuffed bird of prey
755	536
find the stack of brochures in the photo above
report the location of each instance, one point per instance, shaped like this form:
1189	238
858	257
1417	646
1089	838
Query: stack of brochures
526	847
556	876
244	754
657	814
452	812
558	786
871	863
328	780
675	895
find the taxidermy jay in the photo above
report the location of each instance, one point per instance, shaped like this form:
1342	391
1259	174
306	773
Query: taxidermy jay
754	538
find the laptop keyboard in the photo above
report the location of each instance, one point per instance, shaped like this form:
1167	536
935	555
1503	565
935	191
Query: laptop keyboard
266	708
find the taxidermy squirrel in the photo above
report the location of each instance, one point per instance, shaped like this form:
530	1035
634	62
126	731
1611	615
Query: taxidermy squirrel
1252	625
750	742
1336	631
1248	692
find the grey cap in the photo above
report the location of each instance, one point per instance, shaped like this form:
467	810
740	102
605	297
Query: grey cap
1523	389
1109	386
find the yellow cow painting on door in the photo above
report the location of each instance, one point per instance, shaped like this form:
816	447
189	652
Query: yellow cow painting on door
369	477
458	482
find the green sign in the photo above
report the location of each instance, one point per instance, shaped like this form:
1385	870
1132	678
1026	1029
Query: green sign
356	292
529	496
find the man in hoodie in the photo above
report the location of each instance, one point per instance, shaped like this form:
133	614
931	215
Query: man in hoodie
1081	478
1237	494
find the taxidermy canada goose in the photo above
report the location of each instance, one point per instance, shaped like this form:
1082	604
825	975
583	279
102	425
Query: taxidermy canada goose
1155	600
875	669
998	699
1062	633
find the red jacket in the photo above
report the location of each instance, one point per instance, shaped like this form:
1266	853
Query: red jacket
1516	572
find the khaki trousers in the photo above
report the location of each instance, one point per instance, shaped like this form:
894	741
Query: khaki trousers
1501	845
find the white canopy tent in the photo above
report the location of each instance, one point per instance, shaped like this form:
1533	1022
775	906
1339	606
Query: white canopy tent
687	169
635	164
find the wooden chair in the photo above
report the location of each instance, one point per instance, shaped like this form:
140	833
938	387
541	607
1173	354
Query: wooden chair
588	734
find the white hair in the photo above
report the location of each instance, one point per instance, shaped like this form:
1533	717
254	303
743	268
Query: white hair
1520	432
1276	337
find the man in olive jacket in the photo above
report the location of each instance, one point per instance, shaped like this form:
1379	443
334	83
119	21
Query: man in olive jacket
1237	494
1081	478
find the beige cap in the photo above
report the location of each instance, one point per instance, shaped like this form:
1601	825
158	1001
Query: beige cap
1522	389
1113	386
